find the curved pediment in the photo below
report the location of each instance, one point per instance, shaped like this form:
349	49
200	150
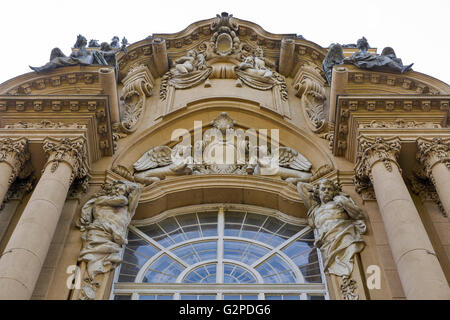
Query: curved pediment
288	51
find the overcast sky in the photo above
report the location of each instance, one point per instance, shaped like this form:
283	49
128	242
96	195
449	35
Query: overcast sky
417	30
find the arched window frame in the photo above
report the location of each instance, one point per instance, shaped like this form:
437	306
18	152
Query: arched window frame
219	289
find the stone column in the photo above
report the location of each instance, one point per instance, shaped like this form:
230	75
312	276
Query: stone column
420	272
22	260
434	154
13	155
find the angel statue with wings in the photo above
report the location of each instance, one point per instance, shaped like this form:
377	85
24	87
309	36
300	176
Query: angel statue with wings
290	164
339	224
162	161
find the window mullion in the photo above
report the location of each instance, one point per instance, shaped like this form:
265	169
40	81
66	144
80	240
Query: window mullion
220	233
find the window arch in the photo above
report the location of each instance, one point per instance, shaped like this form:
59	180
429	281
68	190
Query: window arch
215	253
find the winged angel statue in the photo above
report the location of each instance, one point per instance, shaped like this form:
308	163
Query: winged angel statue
290	164
162	161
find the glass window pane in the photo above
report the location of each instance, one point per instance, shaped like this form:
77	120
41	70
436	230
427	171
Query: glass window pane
147	297
187	219
254	219
152	230
207	217
209	230
234	217
273	297
122	297
192	232
232	230
168	225
231	297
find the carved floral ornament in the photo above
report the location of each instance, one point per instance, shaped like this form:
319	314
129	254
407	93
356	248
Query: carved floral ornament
15	153
72	151
248	63
372	151
433	151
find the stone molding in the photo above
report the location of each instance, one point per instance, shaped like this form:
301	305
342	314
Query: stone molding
21	114
401	115
433	151
372	151
15	153
69	150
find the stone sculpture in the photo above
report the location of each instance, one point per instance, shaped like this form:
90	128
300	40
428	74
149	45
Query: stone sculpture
387	61
162	161
334	56
104	56
104	221
339	224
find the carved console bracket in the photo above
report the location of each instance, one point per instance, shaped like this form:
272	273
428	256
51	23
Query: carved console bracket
310	87
137	86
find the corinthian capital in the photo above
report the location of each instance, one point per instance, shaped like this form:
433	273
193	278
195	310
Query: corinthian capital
15	153
373	150
432	152
71	151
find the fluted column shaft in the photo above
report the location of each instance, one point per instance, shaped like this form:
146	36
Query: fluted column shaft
434	154
420	273
25	253
13	155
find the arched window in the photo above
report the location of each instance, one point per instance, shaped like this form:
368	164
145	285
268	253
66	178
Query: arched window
220	254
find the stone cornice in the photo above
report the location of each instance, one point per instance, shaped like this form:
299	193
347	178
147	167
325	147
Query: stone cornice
15	153
69	150
143	52
382	82
22	115
433	151
421	115
83	79
372	151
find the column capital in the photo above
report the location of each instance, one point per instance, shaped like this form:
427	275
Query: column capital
72	151
373	150
15	153
433	151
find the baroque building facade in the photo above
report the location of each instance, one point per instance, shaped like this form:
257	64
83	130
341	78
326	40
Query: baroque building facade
224	162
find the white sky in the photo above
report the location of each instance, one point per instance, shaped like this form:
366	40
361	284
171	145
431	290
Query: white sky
417	30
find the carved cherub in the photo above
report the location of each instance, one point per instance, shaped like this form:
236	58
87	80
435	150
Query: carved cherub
161	161
339	224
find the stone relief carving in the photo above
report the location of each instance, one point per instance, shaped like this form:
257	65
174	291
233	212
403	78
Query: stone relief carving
137	86
311	89
44	124
105	55
338	222
398	123
103	223
217	143
249	64
348	289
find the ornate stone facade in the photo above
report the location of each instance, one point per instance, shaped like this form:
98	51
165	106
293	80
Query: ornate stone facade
348	145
